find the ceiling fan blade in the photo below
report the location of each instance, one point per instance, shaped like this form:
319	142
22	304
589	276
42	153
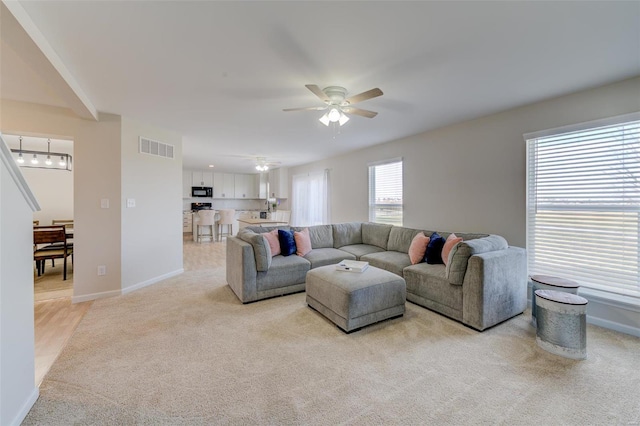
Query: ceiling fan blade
359	111
320	108
318	92
373	93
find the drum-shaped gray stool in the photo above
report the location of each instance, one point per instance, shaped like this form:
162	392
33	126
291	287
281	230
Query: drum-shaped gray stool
548	282
562	323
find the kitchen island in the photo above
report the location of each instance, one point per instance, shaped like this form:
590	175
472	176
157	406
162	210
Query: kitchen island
243	222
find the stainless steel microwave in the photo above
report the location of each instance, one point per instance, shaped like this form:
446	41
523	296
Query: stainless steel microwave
202	191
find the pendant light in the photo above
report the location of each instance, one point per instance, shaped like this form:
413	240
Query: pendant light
34	160
20	157
48	161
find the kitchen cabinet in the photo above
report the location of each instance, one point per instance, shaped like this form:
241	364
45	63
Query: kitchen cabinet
187	221
223	185
246	186
279	183
263	185
201	178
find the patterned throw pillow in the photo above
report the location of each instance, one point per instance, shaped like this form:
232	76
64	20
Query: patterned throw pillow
287	242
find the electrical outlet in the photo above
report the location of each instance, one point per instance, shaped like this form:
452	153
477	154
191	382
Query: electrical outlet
104	203
102	270
131	202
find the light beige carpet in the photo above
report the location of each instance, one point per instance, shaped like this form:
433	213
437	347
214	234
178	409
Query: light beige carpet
185	351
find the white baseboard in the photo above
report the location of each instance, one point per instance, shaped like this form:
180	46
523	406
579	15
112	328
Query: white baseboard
24	410
94	296
618	313
154	280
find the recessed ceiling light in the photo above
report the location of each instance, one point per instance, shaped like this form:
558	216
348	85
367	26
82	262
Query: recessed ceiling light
210	165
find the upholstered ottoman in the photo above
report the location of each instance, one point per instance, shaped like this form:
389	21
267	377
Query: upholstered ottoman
353	300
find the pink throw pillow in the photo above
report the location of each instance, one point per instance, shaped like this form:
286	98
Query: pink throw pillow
303	242
452	240
418	248
273	241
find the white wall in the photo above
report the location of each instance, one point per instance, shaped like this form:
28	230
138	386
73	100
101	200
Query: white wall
18	390
152	230
96	176
469	176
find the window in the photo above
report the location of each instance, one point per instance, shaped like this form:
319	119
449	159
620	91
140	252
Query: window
310	199
583	205
385	192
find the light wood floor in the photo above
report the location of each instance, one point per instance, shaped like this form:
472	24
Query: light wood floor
56	319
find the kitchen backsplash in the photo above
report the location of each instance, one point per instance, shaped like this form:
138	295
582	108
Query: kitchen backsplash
225	204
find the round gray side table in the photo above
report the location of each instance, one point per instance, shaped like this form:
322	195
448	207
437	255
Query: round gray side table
562	323
548	282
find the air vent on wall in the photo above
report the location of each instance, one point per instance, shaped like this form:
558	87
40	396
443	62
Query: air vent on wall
151	147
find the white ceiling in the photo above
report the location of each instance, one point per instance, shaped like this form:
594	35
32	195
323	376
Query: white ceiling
220	73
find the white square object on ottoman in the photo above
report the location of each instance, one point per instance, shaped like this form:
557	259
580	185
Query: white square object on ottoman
354	300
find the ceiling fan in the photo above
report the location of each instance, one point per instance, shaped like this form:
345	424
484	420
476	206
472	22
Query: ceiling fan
262	165
336	101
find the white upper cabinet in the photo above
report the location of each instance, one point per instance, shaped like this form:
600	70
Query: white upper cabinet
246	186
201	178
223	185
279	183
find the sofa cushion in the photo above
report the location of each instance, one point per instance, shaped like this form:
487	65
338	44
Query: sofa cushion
400	238
461	253
261	249
376	234
359	250
321	236
284	271
430	282
391	261
287	242
327	256
303	242
434	249
345	234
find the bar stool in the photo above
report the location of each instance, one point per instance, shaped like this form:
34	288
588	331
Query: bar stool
548	282
206	218
227	216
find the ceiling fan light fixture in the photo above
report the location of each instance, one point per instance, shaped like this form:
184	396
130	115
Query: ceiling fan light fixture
325	119
262	168
343	119
334	115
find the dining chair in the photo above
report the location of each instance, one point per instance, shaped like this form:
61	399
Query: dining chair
227	217
206	218
68	225
55	238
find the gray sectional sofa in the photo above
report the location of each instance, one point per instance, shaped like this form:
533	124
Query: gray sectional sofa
484	283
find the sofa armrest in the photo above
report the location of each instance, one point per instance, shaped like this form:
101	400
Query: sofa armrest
494	287
241	269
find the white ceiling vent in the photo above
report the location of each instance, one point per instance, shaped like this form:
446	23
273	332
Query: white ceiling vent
151	147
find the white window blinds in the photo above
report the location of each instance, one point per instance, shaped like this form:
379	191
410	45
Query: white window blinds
583	207
385	192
